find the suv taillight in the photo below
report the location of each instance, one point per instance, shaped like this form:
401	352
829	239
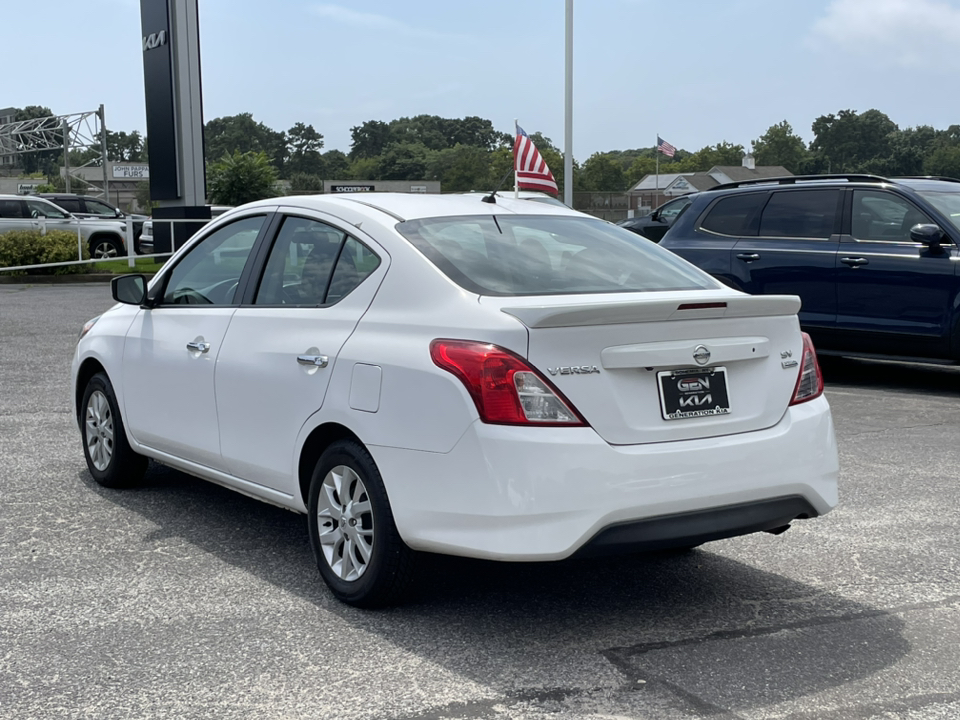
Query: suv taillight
505	389
810	381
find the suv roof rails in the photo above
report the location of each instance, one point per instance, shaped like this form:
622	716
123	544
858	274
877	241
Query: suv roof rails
793	179
942	178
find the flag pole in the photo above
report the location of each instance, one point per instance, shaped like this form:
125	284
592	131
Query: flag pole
516	180
656	152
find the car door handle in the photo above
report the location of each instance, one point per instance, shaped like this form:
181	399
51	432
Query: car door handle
197	346
854	261
748	257
313	360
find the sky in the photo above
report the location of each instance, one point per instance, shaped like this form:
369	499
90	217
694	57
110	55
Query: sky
696	72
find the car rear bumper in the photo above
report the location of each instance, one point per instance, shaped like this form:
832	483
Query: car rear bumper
515	493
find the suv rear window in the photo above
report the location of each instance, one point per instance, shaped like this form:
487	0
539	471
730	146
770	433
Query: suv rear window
546	255
734	215
800	213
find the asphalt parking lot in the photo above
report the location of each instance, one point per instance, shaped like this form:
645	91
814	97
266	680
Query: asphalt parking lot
180	599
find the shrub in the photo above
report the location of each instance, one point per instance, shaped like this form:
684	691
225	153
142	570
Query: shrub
29	247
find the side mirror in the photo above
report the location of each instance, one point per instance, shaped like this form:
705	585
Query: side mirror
129	289
928	234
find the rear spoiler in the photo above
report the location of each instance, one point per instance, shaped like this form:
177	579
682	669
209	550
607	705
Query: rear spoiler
654	310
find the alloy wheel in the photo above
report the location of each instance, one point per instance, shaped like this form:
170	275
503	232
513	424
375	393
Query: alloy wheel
345	523
104	250
99	430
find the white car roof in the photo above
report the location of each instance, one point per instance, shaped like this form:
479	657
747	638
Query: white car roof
413	206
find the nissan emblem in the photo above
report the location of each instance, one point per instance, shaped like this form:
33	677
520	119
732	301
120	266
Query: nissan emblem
701	355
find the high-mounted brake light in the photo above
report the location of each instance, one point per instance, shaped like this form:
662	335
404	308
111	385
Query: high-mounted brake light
505	389
810	380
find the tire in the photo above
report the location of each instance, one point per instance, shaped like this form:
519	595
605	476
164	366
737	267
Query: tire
355	542
110	459
104	246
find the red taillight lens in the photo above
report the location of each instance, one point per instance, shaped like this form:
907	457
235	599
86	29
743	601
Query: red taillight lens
810	381
505	389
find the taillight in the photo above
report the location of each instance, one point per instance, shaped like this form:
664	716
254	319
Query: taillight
505	389
810	381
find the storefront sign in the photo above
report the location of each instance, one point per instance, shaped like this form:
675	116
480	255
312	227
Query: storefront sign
131	172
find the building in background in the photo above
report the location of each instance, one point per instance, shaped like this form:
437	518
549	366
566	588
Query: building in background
652	191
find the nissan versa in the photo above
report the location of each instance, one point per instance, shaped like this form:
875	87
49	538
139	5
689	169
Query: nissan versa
507	380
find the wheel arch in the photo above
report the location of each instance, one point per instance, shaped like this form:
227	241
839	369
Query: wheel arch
89	368
319	439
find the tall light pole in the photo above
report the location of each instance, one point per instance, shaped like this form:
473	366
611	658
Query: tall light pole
568	111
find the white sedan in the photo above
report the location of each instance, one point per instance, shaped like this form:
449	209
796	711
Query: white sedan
506	380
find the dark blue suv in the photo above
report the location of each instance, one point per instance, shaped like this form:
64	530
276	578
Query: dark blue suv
875	260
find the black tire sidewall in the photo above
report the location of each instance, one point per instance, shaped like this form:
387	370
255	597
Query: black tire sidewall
125	467
375	586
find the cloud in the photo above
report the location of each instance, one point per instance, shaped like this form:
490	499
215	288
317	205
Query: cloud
904	33
372	22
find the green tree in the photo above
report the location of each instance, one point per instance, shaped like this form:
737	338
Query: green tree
225	136
122	147
404	161
601	172
303	150
144	201
43	161
305	183
461	168
364	169
335	165
369	139
847	140
779	145
241	178
723	154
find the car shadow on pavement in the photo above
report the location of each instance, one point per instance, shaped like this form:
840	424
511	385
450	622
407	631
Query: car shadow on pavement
889	375
713	633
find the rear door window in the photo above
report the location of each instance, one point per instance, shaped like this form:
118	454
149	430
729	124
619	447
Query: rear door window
734	215
800	214
68	204
11	209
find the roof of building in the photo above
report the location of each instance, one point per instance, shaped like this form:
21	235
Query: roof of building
652	182
702	181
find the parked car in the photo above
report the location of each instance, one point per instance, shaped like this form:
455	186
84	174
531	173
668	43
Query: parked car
513	381
84	206
654	226
145	245
17	212
874	259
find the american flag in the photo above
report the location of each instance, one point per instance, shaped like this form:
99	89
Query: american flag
532	171
665	147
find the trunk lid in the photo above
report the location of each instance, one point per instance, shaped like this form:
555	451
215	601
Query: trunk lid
628	362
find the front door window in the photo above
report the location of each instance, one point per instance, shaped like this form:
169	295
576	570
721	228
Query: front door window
210	272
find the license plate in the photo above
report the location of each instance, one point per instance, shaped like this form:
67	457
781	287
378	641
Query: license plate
693	393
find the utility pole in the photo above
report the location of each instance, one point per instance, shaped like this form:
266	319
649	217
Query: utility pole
103	154
568	111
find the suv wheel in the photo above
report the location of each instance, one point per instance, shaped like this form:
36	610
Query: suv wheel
102	247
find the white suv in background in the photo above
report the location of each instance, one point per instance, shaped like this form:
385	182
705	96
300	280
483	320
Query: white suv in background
104	238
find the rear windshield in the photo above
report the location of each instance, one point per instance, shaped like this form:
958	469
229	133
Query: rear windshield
548	255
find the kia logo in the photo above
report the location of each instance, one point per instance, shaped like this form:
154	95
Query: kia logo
154	40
